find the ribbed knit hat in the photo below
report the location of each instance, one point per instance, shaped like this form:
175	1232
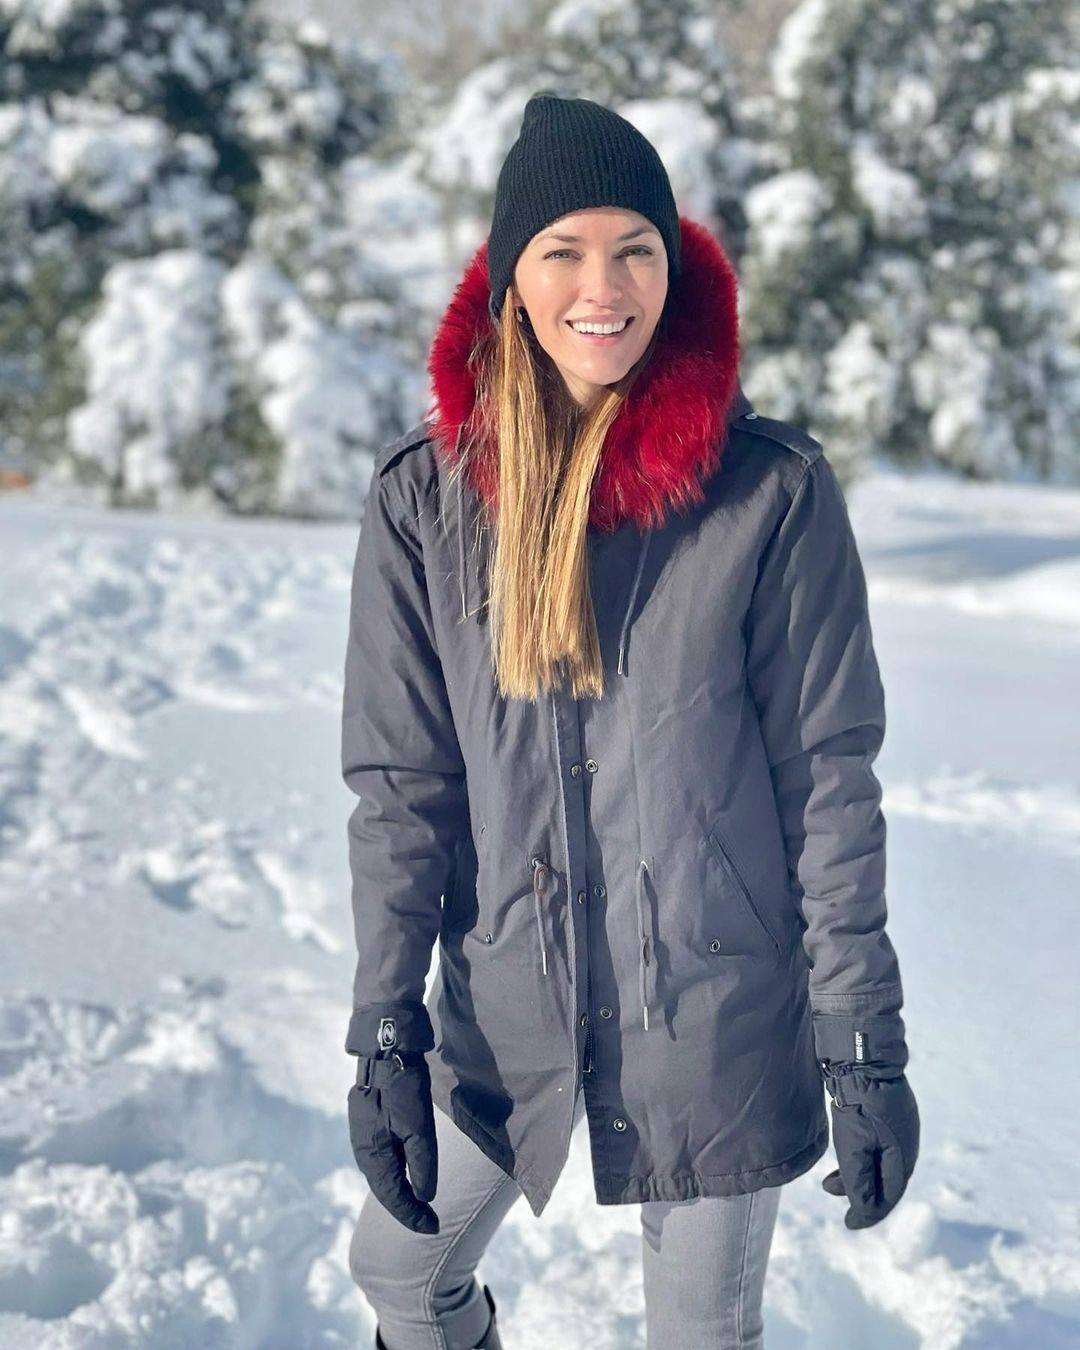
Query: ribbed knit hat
572	154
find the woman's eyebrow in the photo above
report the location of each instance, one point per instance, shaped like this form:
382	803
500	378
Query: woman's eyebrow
576	238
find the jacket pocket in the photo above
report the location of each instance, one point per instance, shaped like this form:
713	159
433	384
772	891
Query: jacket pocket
477	927
723	855
461	900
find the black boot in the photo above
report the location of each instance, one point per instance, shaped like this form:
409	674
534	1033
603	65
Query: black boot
490	1341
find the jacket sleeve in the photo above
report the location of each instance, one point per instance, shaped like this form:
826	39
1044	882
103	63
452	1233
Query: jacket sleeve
815	681
400	756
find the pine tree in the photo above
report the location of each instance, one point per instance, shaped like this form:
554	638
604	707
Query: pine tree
910	282
186	307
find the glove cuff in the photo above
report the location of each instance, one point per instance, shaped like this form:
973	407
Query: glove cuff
860	1038
379	1028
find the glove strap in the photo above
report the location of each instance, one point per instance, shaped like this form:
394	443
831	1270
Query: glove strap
835	1084
379	1070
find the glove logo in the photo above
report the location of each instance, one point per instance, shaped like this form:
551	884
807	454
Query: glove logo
387	1033
860	1046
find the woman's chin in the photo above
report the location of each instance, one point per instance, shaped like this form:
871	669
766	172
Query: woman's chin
602	377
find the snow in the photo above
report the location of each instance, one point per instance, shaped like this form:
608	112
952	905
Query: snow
954	375
798	43
892	196
177	964
784	212
862	382
466	146
290	95
172	335
155	374
686	139
104	158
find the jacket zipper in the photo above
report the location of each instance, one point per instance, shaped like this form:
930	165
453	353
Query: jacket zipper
587	1060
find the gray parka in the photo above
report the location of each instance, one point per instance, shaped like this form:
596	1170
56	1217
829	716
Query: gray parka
648	897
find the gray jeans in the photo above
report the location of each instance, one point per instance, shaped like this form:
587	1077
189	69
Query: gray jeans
703	1260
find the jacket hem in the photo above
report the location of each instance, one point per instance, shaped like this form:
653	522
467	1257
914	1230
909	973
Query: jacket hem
498	1153
691	1185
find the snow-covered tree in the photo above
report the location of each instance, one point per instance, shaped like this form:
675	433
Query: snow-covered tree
911	280
148	150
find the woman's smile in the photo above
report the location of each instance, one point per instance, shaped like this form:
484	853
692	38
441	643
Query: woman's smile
601	339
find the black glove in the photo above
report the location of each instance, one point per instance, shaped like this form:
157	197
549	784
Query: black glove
391	1115
875	1118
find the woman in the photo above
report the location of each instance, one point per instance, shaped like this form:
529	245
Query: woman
611	697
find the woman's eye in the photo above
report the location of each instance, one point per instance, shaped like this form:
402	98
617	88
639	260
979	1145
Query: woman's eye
634	248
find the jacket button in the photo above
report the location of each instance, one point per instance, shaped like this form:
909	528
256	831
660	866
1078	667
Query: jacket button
619	1123
605	1011
591	765
750	416
488	937
575	770
581	897
599	890
714	945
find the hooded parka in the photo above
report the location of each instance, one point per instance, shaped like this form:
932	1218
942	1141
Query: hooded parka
644	897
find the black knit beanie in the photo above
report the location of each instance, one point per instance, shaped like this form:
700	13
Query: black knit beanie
572	154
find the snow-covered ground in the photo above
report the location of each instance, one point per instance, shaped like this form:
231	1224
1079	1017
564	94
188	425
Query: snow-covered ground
176	962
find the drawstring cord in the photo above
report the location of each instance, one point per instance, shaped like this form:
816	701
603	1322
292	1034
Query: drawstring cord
643	954
541	876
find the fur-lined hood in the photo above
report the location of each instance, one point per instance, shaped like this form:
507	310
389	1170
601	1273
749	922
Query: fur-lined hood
671	432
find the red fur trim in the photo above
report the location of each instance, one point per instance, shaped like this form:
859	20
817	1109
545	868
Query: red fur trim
671	431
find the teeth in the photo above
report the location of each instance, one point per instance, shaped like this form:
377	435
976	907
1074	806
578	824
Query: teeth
599	327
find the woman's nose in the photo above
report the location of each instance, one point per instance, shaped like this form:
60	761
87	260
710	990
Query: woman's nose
600	283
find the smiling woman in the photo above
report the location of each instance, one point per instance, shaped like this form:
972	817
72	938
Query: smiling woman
654	866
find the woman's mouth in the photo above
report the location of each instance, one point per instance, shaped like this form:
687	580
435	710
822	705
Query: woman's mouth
601	339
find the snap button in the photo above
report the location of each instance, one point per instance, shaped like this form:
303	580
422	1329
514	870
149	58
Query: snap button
599	890
584	1018
605	1011
591	765
575	770
581	897
619	1123
488	937
750	416
714	945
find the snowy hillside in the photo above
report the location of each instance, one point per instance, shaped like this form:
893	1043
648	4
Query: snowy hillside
175	971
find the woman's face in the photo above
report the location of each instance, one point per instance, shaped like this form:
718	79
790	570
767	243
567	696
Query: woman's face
606	265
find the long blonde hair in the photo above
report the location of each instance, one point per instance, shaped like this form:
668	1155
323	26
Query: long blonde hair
548	450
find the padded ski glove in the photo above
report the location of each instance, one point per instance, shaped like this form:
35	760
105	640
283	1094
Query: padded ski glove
875	1119
391	1114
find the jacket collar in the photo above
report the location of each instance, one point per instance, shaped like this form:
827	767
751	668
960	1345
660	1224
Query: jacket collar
669	435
